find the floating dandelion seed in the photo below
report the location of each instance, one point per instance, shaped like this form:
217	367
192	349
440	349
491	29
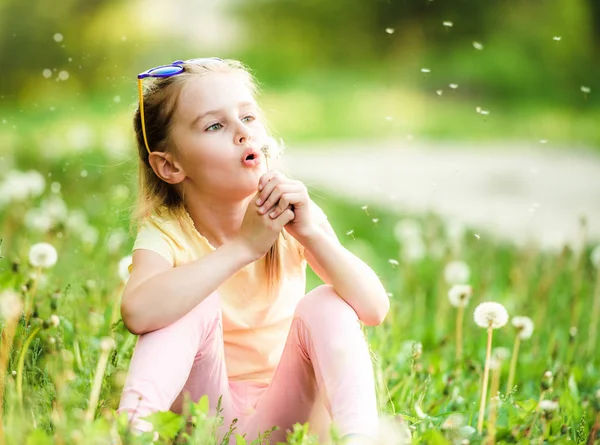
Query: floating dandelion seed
124	268
585	89
448	24
485	112
58	37
478	45
63	75
42	255
477	236
457	272
390	295
557	38
390	30
47	73
543	141
365	208
393	262
425	70
453	86
489	315
439	92
375	220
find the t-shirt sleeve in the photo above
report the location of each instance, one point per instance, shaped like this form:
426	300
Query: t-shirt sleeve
151	237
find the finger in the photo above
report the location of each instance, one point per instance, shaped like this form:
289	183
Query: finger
287	216
287	200
264	179
278	191
268	189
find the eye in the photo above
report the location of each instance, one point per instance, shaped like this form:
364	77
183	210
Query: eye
214	127
249	118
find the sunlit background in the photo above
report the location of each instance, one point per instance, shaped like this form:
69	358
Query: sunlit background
433	133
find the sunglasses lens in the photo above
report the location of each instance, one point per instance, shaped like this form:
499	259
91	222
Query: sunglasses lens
165	71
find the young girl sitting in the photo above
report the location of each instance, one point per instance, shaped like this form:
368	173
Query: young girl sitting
217	283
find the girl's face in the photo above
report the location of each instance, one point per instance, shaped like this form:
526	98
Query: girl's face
217	131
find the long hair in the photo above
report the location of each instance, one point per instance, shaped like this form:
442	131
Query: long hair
160	102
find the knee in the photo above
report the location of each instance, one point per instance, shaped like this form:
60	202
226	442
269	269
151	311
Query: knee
323	306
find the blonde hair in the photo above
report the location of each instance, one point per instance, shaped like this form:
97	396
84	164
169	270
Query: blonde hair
156	196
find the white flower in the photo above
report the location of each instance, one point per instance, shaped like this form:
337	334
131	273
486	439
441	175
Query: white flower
89	236
548	406
107	344
456	272
18	186
459	295
42	255
407	230
524	325
37	220
10	305
595	256
490	314
55	207
501	353
124	268
54	320
76	220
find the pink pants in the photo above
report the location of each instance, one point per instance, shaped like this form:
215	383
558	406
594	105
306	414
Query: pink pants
326	362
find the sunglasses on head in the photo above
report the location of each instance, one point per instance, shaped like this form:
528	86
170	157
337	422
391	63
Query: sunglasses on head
165	71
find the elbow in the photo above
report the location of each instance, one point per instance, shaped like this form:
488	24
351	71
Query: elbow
129	319
376	315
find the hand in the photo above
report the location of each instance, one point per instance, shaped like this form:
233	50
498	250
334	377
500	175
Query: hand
259	231
278	193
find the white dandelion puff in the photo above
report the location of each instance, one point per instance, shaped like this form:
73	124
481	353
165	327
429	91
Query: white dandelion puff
490	314
107	344
124	268
524	326
42	255
501	353
453	422
548	406
459	295
54	320
457	272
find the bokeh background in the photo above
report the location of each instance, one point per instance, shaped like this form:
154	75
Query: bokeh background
433	133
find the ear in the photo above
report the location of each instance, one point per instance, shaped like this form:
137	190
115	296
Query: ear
166	167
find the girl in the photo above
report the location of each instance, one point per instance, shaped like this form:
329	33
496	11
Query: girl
217	283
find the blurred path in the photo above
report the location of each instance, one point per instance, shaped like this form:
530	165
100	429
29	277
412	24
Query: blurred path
517	193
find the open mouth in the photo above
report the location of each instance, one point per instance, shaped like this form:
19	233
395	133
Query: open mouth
250	157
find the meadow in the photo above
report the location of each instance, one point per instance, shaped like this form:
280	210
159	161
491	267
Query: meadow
65	352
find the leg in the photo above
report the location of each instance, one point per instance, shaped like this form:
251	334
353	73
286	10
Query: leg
325	353
186	356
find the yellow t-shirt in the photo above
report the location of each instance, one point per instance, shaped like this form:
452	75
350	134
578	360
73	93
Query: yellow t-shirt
255	326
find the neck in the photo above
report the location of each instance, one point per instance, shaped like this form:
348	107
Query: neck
217	220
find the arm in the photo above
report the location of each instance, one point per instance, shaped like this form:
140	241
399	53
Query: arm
157	294
351	278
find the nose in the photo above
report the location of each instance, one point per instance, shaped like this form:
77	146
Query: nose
242	135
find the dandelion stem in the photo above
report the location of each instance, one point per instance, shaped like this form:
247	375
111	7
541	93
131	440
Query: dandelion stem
486	373
8	334
494	400
592	334
459	323
31	299
21	364
513	364
97	385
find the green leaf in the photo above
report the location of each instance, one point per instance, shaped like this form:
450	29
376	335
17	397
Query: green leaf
166	423
203	404
239	439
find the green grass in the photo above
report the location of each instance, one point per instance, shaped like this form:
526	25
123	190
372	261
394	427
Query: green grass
424	388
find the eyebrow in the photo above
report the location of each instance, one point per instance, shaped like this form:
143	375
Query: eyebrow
208	113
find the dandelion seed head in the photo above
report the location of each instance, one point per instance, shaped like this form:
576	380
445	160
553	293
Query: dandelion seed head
457	272
124	268
459	295
350	232
47	73
42	255
63	75
490	314
11	305
548	406
58	37
453	422
54	320
524	326
501	353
